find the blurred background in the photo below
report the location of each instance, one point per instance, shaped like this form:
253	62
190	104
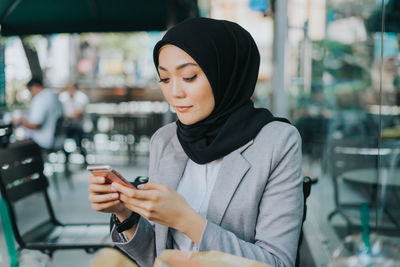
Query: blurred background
331	66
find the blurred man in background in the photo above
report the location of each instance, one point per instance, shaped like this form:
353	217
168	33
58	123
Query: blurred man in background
45	113
74	103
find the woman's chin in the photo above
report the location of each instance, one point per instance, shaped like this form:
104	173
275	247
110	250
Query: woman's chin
187	121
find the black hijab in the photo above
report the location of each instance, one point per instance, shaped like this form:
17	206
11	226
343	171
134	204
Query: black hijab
230	59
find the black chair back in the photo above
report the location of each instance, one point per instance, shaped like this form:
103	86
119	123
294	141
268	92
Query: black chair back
5	133
59	135
347	155
21	176
22	183
307	182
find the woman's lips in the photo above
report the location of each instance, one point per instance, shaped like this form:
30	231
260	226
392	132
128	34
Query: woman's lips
182	108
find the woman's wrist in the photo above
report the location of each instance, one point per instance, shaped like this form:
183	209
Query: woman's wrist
192	225
123	215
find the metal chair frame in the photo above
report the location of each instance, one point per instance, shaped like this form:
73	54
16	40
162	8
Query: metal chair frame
21	175
307	183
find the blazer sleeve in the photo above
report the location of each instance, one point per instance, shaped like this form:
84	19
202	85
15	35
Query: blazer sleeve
280	211
141	247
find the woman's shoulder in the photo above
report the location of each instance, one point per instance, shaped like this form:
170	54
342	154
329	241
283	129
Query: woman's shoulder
166	131
273	142
278	131
164	134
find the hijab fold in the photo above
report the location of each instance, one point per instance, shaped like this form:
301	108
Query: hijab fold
230	59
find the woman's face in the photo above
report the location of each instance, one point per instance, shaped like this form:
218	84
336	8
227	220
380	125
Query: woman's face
184	85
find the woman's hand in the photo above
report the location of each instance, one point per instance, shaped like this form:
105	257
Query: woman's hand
161	204
104	199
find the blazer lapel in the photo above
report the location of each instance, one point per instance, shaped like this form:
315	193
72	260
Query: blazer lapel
172	164
234	167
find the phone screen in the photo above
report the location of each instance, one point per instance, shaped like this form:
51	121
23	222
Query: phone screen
109	173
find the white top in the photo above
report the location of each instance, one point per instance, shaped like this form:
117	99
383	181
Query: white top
76	103
195	186
45	109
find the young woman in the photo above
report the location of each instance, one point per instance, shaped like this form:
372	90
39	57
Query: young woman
226	176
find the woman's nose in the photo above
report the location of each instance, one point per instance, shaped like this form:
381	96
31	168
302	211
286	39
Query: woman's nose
177	91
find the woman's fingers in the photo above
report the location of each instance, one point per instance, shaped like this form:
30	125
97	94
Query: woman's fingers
100	188
139	206
134	193
101	198
156	202
123	189
133	201
97	180
152	186
104	206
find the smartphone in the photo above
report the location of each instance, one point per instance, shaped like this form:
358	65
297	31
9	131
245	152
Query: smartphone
109	173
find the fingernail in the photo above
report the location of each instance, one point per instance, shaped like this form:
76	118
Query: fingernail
140	186
114	195
113	187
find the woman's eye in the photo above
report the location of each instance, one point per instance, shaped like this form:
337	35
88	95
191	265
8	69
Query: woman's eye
165	80
190	79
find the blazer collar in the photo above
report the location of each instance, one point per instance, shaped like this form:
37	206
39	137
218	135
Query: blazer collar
174	160
172	165
233	168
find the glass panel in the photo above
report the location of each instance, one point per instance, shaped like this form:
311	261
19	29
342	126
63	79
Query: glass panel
387	43
344	83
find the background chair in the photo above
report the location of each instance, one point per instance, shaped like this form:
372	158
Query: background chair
51	156
344	156
22	183
5	133
307	182
351	154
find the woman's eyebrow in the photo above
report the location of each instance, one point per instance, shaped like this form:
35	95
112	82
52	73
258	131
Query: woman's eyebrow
180	66
186	64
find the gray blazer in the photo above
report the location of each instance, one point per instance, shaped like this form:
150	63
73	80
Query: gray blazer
255	209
